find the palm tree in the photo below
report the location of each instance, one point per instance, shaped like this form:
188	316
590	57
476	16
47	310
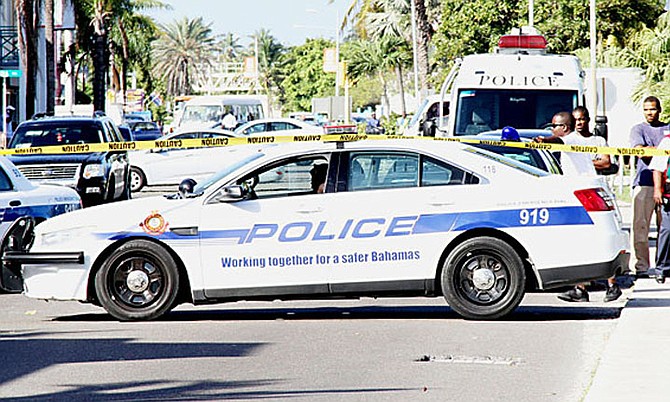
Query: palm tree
26	15
100	20
179	50
367	59
230	47
132	35
359	12
50	57
392	25
269	53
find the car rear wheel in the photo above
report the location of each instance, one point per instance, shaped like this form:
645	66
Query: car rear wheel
483	278
137	179
138	281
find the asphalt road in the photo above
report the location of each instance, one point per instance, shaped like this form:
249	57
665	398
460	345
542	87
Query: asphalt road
352	350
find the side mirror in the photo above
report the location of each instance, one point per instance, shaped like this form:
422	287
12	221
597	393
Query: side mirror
233	193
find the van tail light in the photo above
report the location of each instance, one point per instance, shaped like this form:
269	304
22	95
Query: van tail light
595	199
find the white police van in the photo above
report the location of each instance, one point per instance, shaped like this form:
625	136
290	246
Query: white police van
519	85
400	217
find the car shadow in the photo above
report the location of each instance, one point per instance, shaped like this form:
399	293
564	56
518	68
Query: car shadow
522	313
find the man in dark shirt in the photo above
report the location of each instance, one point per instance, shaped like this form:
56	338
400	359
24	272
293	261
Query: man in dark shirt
647	134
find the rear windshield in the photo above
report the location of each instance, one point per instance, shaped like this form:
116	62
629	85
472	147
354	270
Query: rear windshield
56	134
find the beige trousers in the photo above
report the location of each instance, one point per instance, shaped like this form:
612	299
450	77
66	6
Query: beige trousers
643	209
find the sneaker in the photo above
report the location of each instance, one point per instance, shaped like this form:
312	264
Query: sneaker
575	295
613	293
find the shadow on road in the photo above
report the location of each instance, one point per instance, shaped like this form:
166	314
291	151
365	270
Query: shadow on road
523	313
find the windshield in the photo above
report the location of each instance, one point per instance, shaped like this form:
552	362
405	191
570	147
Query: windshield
202	114
41	135
237	162
490	109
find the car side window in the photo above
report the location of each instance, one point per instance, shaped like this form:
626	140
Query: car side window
291	177
368	171
256	128
438	173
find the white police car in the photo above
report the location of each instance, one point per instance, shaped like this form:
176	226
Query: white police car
408	217
20	197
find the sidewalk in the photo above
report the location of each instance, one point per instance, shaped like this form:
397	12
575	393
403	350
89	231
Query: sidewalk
634	362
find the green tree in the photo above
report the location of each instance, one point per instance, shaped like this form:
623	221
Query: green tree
180	49
649	50
474	27
303	73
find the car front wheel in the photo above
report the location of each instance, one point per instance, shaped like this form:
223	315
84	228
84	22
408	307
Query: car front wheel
483	278
138	281
137	179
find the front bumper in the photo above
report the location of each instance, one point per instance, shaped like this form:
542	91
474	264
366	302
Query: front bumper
573	275
57	275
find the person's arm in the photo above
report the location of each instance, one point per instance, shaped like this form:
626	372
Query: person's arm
550	140
603	162
658	187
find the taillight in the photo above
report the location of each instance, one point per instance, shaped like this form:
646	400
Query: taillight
595	199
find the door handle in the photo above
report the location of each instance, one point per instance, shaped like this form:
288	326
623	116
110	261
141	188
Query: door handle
14	203
309	210
440	204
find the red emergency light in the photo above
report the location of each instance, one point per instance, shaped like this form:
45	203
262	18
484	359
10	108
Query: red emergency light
522	41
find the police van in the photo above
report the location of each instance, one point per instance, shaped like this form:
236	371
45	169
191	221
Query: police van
519	85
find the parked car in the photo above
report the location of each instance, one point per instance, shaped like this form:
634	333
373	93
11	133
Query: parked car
169	166
397	218
126	133
98	177
145	130
20	197
278	126
539	158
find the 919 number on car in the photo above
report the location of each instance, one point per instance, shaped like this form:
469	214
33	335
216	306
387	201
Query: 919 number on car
534	216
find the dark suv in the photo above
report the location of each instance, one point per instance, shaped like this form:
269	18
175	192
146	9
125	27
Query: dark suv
98	177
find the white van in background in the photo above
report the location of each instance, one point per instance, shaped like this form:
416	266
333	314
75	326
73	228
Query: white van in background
520	85
208	111
427	118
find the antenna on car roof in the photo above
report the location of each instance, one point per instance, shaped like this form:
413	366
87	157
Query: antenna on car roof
99	113
39	115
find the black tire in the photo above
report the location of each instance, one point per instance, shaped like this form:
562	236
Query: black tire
483	278
137	179
138	281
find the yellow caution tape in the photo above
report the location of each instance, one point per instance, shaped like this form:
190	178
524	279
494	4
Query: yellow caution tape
273	139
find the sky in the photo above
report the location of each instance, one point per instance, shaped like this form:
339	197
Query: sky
289	21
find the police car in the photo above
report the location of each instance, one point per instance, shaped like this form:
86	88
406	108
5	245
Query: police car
403	217
19	197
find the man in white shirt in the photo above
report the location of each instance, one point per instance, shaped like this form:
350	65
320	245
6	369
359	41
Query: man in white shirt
599	161
573	163
229	121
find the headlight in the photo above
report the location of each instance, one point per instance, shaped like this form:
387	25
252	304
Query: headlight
93	171
64	235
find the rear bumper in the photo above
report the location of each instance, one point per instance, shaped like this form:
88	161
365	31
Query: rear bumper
565	276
